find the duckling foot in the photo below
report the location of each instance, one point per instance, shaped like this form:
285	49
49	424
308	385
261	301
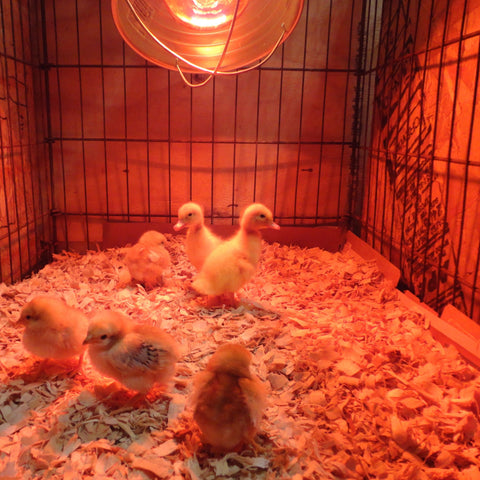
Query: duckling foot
229	300
224	300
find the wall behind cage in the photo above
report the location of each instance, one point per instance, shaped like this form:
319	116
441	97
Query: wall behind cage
420	149
25	227
131	142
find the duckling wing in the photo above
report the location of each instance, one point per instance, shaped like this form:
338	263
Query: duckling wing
225	270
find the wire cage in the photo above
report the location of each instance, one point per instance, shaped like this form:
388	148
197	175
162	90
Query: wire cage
367	117
418	157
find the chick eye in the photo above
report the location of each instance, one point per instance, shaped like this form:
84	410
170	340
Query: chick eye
190	214
104	336
28	317
262	216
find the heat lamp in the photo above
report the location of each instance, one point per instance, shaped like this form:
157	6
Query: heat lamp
205	13
214	37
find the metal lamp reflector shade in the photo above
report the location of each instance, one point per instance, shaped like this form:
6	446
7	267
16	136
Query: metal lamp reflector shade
232	36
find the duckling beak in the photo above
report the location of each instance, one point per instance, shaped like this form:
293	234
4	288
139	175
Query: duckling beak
178	226
275	226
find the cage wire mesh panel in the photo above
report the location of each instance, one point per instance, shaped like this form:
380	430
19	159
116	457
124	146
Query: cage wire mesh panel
132	143
367	109
421	197
25	227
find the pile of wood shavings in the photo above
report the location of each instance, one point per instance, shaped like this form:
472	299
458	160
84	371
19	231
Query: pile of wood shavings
358	387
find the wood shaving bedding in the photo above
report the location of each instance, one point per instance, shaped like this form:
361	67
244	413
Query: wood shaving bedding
358	387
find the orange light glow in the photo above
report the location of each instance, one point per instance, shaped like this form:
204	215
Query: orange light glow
204	13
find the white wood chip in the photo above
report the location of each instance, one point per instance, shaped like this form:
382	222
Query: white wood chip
358	386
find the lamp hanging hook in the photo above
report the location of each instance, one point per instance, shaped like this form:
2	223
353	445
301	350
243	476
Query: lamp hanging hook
220	60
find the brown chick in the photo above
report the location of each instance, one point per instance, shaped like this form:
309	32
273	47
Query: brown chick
53	329
228	400
199	241
148	259
138	356
233	263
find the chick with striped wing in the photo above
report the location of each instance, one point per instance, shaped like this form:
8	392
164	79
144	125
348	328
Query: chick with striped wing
137	356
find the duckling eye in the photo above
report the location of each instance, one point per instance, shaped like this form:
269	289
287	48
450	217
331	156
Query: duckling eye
104	336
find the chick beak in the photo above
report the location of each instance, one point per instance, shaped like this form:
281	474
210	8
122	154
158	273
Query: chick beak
179	225
22	321
87	340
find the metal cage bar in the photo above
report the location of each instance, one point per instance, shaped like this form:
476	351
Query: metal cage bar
420	154
24	231
396	165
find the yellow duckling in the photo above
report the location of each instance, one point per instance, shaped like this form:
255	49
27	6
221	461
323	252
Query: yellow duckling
233	263
199	241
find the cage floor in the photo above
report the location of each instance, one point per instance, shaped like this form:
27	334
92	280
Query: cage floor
358	387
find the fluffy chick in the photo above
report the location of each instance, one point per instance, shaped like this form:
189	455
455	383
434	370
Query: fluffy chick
228	400
234	262
148	259
138	356
199	241
53	329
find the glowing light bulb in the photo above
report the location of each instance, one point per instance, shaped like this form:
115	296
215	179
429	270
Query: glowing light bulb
205	13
